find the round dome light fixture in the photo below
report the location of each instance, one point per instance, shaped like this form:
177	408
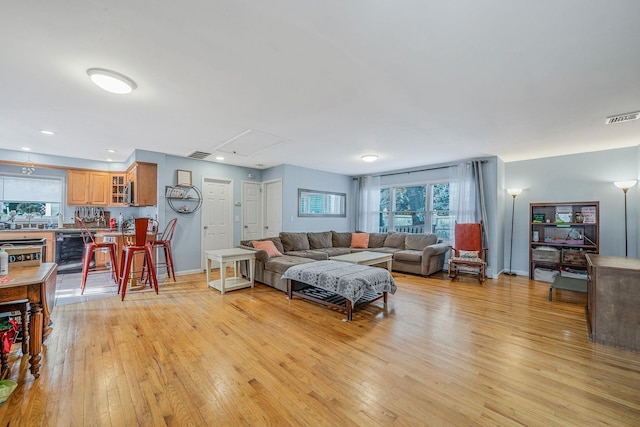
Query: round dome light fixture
369	158
111	81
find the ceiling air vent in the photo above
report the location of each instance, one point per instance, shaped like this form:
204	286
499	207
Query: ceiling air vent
623	118
199	155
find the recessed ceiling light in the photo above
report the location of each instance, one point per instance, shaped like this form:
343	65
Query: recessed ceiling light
109	160
369	157
219	158
111	81
47	132
110	150
26	149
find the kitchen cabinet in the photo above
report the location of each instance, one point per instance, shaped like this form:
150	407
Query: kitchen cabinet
561	234
118	189
144	177
85	187
18	234
613	298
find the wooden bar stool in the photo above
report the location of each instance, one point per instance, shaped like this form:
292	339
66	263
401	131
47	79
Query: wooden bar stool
90	246
134	241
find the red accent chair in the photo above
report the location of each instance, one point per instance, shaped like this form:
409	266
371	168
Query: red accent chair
467	255
90	246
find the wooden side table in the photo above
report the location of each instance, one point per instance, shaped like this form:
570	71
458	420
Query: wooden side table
235	255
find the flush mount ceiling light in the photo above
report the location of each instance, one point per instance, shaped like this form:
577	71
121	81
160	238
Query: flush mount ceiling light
47	132
111	81
369	158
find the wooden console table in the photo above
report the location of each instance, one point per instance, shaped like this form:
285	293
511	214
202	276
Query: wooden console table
38	285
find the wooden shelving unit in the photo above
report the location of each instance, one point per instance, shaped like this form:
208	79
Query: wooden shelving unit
561	234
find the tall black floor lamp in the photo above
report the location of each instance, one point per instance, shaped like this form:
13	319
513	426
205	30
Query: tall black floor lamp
625	186
514	193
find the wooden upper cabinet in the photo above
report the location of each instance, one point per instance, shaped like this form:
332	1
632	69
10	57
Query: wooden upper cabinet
86	187
118	189
99	188
77	187
144	177
90	187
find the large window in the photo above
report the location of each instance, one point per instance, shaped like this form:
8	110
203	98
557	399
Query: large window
27	198
420	208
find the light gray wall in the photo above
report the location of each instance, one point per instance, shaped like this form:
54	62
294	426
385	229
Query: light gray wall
293	178
579	177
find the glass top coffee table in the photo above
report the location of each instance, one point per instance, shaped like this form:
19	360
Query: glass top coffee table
365	258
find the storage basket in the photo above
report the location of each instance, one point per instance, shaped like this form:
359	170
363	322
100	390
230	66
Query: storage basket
23	256
544	274
545	254
575	257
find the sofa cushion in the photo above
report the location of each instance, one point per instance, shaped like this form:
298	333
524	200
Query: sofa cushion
268	246
341	240
294	241
335	251
419	241
359	240
281	264
317	254
395	240
407	255
320	240
276	241
376	240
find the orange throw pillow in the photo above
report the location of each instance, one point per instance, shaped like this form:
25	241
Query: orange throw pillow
360	240
266	245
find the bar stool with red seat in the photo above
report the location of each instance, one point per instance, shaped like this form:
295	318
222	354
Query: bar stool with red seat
164	242
90	246
134	241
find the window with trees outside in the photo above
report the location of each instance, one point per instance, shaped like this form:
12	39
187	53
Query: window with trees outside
420	208
23	199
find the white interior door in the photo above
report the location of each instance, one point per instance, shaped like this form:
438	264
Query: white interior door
251	210
272	208
217	214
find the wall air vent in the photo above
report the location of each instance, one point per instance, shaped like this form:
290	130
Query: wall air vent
623	118
199	155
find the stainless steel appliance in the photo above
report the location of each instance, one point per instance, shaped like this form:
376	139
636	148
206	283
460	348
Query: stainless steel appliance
69	248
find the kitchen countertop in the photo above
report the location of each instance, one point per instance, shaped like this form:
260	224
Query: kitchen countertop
53	230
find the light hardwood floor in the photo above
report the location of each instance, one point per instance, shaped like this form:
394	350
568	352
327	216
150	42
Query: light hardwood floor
440	353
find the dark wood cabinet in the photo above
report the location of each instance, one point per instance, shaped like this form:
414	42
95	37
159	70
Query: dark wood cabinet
561	233
613	307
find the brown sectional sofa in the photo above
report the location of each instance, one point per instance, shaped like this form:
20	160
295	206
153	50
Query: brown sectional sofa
412	253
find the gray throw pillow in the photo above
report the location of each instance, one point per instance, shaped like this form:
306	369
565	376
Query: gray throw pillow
294	241
320	240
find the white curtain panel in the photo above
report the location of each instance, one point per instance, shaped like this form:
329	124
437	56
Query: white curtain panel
369	204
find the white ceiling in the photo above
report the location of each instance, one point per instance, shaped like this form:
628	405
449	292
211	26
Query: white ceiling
324	82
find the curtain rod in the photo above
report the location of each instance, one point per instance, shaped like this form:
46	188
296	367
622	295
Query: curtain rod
423	170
